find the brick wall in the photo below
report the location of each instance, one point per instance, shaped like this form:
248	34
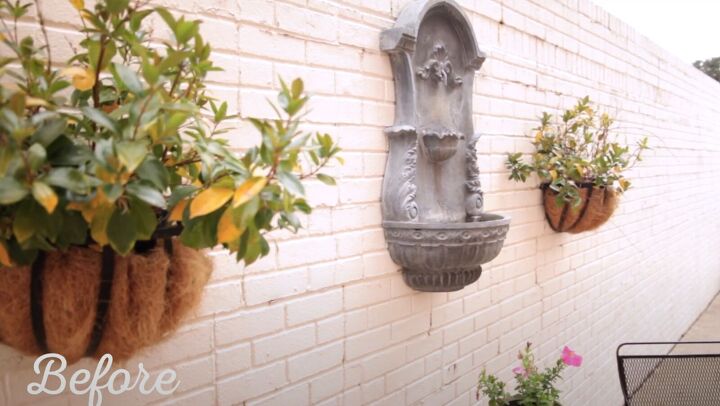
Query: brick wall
326	318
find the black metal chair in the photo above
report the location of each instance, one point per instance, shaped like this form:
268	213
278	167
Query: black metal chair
669	373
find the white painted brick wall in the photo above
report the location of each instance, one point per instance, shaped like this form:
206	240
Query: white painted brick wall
326	318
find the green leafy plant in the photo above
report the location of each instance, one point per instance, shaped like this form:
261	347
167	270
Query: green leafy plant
533	386
124	142
578	149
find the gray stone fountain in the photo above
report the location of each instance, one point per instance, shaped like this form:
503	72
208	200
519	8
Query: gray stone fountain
432	202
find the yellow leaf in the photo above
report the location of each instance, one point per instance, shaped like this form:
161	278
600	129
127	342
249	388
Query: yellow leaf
35	102
580	169
538	136
98	226
209	200
227	230
2	37
248	190
89	209
104	175
176	214
85	15
45	195
82	79
4	256
553	174
78	4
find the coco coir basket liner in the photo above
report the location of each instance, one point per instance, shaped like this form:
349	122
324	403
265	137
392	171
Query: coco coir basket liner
88	302
596	207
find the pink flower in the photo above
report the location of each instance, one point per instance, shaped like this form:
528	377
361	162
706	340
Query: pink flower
519	371
570	358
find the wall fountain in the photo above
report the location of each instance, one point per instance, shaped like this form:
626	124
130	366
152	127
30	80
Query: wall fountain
432	201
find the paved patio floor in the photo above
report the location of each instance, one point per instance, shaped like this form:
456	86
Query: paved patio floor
706	327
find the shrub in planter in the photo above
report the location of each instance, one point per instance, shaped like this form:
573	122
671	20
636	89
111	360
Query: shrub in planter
580	165
114	172
533	387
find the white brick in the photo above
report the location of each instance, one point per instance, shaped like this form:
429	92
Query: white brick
317	360
365	293
314	307
281	345
233	360
326	385
249	323
253	383
266	288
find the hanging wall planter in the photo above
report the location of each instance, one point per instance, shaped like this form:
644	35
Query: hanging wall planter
432	202
88	302
106	196
580	165
596	206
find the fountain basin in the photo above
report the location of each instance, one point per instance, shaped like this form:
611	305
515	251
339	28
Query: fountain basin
437	257
439	144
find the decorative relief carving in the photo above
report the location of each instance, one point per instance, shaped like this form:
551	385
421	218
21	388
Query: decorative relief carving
474	201
447	237
409	188
439	68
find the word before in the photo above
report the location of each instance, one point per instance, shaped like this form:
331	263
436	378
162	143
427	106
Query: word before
84	382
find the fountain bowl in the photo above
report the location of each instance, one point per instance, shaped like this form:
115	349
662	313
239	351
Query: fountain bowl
445	257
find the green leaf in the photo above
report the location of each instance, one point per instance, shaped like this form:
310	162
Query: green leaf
27	221
74	229
49	131
291	183
71	179
93	47
36	156
150	72
128	78
297	88
173	60
180	193
131	153
121	231
137	18
165	15
144	218
12	191
101	119
185	30
328	180
147	193
116	6
154	172
201	232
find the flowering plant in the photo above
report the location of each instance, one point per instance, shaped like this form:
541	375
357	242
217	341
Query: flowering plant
534	387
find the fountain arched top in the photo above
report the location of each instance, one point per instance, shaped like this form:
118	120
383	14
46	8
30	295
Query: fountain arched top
403	35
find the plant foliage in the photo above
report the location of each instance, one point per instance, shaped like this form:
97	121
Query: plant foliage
125	140
578	149
533	387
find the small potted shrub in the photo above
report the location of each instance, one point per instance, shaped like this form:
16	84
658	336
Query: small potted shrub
114	173
533	387
580	164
